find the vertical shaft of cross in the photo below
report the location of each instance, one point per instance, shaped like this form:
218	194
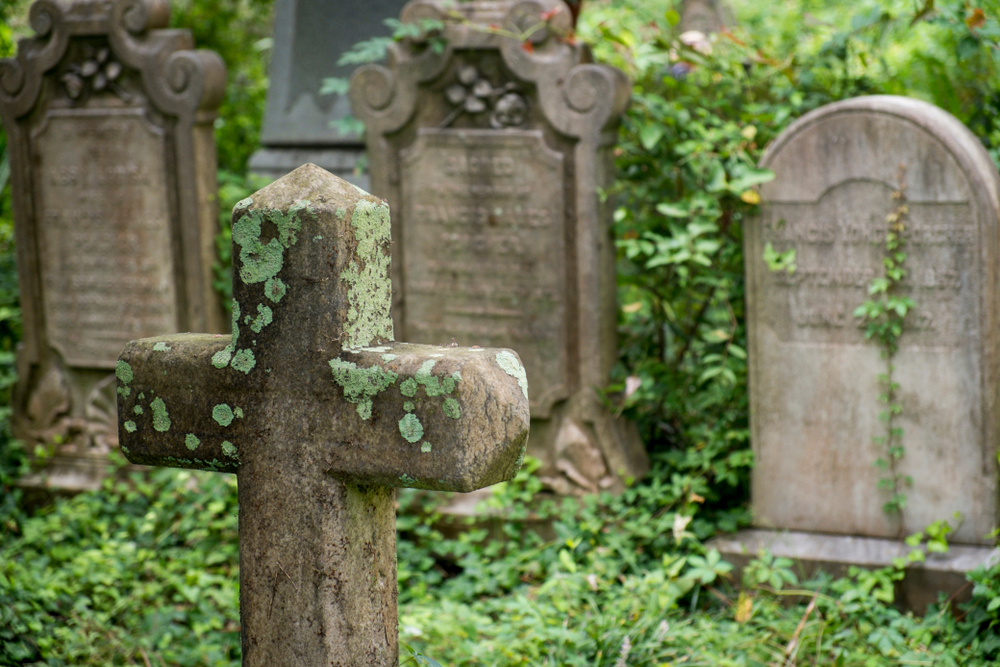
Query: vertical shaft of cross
317	564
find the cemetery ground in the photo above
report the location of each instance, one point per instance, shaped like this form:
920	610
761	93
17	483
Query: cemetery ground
144	572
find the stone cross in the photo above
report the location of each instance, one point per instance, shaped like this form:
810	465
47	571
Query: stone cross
319	414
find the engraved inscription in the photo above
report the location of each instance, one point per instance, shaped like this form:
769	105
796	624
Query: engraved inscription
107	271
483	223
838	253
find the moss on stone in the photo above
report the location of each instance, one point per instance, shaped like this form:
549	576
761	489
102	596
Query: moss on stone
410	428
361	385
222	358
263	318
511	366
161	419
408	387
274	289
223	414
369	295
191	441
452	408
431	384
244	361
123	371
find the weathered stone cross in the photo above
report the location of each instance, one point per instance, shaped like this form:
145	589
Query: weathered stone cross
319	414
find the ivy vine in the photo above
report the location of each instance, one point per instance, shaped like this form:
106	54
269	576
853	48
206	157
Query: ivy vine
883	315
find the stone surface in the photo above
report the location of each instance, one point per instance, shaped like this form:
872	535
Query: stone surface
814	390
109	119
705	16
319	414
491	157
309	38
835	554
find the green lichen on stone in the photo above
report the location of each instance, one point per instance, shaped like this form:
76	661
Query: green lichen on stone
264	317
423	376
408	387
408	406
223	414
137	410
448	385
229	449
221	358
161	420
340	212
456	376
388	357
191	441
236	323
124	391
369	294
238	411
244	203
123	371
318	237
410	428
259	261
162	347
426	447
511	366
125	450
274	289
452	408
244	361
141	397
361	385
406	479
130	427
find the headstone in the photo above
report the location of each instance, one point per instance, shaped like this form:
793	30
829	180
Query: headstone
492	154
310	36
814	379
320	414
704	16
109	121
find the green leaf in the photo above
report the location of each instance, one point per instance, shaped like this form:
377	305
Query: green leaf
673	210
749	179
650	135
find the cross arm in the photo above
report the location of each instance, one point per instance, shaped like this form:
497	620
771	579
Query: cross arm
175	408
451	419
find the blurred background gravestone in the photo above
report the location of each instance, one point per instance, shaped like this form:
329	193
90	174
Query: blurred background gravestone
705	16
491	153
814	378
310	36
110	126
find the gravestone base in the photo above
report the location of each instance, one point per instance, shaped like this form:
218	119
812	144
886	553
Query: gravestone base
836	554
585	449
273	162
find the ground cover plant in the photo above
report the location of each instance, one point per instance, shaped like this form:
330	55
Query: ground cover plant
144	572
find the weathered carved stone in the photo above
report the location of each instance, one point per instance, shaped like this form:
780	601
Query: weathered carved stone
492	155
109	119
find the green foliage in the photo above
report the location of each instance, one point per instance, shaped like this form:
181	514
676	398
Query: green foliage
239	31
144	571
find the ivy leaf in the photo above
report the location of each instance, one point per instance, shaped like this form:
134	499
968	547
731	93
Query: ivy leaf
650	135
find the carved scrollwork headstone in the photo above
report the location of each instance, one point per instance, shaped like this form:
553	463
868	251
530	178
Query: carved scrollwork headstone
109	119
491	152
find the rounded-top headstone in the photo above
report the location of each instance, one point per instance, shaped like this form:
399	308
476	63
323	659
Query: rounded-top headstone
814	378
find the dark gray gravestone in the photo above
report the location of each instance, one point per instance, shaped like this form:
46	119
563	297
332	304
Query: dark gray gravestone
109	120
309	38
492	157
320	414
814	379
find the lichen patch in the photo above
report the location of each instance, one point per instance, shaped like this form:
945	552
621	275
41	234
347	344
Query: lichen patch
161	419
508	362
361	385
410	428
369	292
